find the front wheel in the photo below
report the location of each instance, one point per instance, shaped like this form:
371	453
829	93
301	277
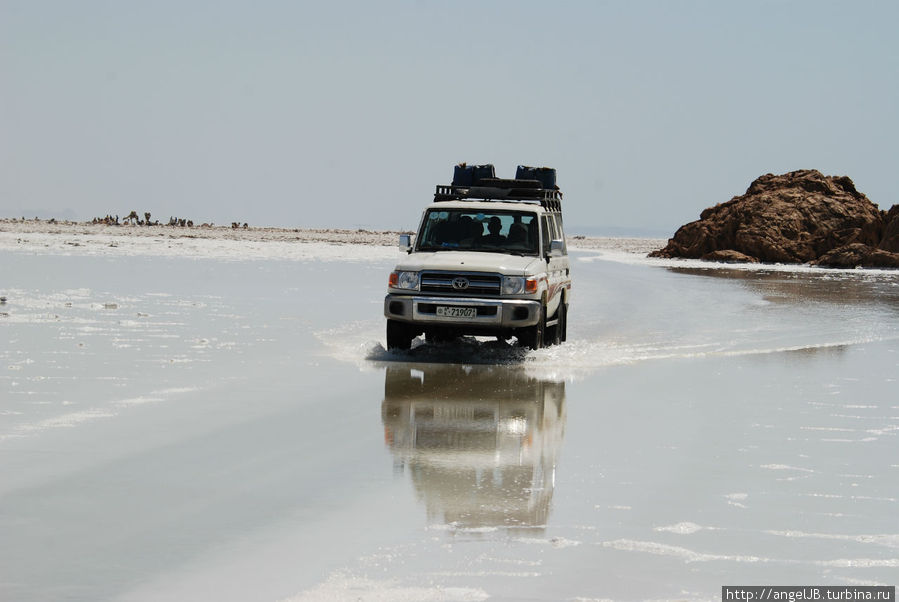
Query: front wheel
532	336
553	334
399	335
563	323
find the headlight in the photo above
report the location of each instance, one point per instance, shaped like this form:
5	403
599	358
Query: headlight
518	285
404	280
513	285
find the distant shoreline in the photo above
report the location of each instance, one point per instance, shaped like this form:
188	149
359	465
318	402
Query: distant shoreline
337	236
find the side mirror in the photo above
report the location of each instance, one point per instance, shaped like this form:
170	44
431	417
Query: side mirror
556	248
405	242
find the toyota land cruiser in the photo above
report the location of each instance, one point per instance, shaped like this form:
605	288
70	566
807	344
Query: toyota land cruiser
489	259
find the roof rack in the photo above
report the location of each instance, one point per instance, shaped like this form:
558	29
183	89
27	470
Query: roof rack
525	191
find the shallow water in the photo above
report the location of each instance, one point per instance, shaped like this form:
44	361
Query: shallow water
220	429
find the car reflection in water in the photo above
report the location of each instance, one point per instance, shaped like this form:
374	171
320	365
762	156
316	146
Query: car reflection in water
479	442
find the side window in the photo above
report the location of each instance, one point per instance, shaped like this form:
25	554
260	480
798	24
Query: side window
552	230
560	234
548	233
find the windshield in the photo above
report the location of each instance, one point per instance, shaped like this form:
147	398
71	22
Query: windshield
514	232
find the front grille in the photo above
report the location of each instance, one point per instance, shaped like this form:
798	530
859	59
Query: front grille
487	285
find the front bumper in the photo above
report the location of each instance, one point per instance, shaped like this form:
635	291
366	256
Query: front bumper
491	313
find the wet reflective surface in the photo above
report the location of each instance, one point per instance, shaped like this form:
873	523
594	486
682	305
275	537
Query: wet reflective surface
480	443
178	429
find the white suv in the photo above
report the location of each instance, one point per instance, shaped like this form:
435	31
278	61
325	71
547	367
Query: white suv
489	260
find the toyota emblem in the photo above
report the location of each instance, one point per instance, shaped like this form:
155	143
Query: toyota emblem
460	284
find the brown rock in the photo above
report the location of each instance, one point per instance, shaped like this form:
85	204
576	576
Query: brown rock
858	255
890	240
847	256
881	259
729	256
796	217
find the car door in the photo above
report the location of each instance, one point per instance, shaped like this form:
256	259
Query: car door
556	266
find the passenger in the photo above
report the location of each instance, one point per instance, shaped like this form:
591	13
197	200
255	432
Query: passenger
477	231
518	233
494	237
533	234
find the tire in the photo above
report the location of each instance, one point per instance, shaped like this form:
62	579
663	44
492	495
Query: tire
399	335
563	323
532	336
553	335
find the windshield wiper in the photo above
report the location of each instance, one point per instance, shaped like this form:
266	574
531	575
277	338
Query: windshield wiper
503	251
440	248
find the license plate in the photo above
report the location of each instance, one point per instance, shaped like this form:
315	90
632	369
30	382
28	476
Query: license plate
456	312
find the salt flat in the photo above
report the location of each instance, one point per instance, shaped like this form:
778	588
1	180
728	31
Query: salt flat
216	418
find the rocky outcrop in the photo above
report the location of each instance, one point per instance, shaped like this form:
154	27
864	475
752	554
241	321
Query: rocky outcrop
890	240
799	217
857	254
729	256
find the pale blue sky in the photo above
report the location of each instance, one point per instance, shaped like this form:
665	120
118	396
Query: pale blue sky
346	114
